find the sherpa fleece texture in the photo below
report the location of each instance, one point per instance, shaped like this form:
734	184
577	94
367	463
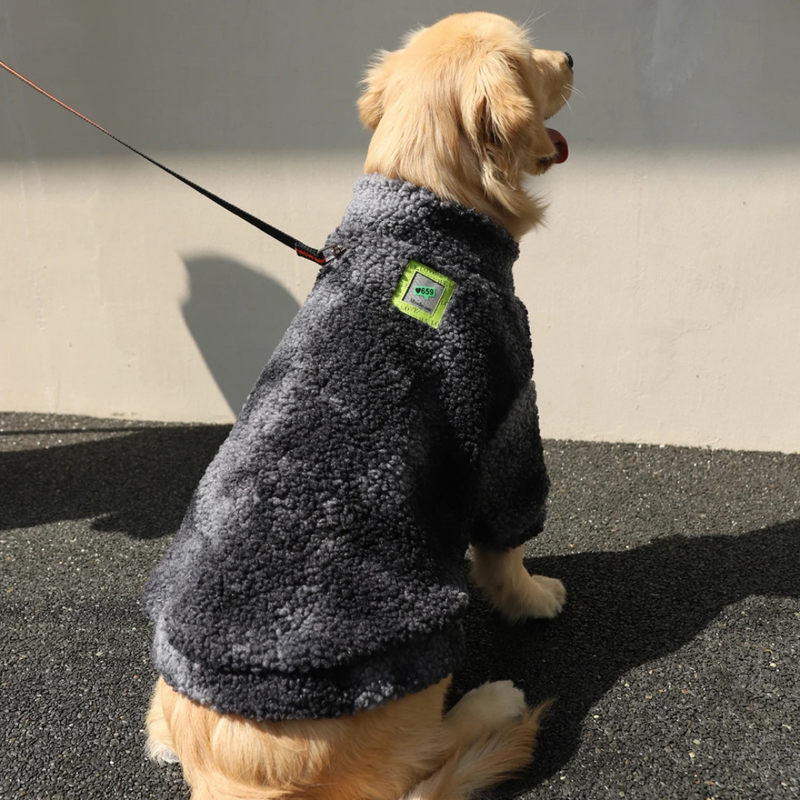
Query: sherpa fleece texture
320	567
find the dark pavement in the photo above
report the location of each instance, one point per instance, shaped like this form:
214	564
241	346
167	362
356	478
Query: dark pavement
675	662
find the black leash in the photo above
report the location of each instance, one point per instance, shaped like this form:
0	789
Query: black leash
303	250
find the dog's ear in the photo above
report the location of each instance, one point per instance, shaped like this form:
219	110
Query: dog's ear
501	120
370	104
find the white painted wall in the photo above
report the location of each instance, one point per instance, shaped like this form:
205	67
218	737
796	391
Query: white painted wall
664	295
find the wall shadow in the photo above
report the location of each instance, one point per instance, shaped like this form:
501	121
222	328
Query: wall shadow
625	609
237	316
138	483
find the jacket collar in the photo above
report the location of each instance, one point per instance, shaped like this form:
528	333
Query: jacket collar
427	228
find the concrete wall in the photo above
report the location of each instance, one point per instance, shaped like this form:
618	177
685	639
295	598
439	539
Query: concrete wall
664	294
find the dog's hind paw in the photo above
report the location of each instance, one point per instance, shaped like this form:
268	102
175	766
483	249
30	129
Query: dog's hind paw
160	753
493	705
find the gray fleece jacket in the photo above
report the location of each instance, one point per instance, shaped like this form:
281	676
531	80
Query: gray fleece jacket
320	567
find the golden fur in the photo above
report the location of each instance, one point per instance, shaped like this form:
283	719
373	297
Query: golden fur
406	749
460	110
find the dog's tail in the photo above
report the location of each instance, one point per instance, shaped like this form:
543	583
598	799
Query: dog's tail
487	761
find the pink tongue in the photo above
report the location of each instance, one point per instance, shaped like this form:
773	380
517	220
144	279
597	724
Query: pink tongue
562	149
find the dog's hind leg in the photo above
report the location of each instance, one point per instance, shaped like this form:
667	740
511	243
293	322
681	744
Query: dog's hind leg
489	736
513	591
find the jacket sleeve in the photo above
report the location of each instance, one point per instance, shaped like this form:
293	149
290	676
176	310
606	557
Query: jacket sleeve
513	479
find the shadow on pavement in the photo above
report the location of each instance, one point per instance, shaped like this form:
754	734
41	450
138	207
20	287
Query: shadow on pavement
624	609
138	483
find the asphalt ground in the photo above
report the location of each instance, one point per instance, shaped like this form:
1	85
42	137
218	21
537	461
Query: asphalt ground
675	663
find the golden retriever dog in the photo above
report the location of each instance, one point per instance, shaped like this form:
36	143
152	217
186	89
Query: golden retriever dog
460	111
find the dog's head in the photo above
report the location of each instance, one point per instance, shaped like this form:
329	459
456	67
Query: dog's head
460	110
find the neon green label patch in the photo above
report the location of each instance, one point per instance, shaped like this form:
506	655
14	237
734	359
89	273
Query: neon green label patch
423	293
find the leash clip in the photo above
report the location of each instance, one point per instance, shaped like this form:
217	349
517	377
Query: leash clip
332	252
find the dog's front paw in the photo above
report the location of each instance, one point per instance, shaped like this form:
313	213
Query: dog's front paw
548	598
515	593
531	597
